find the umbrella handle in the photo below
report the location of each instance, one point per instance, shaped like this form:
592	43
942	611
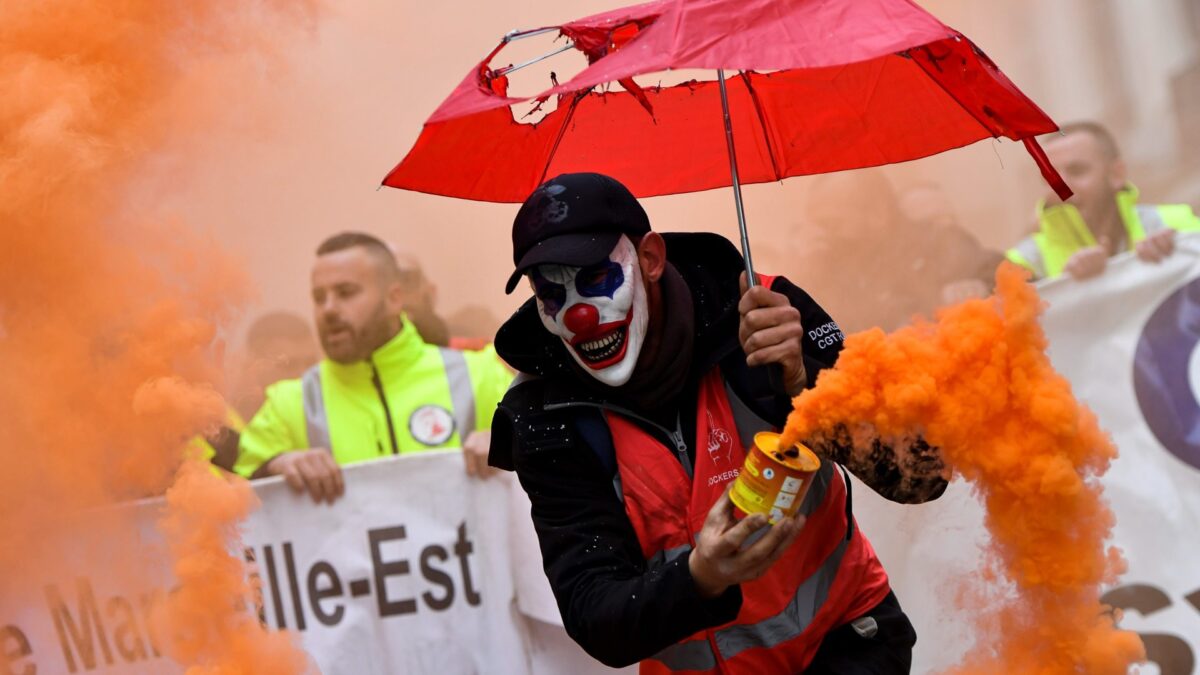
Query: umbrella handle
774	370
751	279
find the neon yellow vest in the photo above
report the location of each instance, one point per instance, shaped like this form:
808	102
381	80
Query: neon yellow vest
407	397
1062	231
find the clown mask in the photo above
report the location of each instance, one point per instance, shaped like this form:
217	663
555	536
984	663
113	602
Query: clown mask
599	311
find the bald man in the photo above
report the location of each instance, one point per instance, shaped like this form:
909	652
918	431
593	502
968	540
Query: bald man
1104	217
381	389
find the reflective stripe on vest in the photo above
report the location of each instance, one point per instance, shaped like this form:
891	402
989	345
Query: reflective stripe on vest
664	557
316	422
462	400
1152	220
772	631
1029	250
462	396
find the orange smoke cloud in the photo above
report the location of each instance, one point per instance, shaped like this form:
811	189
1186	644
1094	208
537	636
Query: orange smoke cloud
219	639
107	315
978	385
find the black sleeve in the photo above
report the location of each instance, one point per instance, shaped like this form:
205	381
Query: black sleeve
913	474
616	608
823	338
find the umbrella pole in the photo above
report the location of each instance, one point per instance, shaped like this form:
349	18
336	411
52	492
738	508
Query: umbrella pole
751	279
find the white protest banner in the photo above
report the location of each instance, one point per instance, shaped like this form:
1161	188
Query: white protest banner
1127	341
410	572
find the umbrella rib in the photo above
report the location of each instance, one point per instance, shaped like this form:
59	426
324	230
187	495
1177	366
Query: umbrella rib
512	69
762	123
561	132
514	35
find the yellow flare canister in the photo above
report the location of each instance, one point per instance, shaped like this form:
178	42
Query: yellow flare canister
773	481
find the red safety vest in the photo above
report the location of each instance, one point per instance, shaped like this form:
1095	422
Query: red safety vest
825	580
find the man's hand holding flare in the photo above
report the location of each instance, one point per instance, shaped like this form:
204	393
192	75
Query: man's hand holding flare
719	561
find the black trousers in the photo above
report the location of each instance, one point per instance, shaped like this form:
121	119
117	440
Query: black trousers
887	652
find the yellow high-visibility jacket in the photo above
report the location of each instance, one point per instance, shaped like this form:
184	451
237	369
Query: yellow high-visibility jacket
408	396
1062	232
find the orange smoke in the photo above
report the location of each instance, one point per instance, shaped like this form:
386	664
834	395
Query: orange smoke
108	317
220	639
978	385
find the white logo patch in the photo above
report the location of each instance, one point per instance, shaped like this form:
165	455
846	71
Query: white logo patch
720	443
431	425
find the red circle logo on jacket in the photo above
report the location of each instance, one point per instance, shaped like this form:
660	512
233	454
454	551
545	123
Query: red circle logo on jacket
431	425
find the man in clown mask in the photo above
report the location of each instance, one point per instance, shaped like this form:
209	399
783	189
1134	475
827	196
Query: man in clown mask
647	366
599	311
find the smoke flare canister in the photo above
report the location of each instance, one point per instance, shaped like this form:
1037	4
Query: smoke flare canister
773	481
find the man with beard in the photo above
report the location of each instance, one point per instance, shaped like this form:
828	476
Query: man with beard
1104	217
647	367
380	391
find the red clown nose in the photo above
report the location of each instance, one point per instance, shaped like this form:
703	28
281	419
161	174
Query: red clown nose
581	319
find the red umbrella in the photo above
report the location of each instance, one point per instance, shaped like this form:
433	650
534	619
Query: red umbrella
823	85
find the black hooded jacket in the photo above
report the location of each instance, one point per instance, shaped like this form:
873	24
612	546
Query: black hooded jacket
550	430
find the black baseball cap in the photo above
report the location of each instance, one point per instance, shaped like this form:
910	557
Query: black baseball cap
574	219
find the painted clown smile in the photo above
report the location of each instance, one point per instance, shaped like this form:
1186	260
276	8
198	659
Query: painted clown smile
604	346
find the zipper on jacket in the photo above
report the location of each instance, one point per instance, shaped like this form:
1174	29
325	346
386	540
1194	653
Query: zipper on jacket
387	412
675	436
680	446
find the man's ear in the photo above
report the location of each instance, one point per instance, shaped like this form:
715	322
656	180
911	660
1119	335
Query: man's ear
652	256
395	298
1118	175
